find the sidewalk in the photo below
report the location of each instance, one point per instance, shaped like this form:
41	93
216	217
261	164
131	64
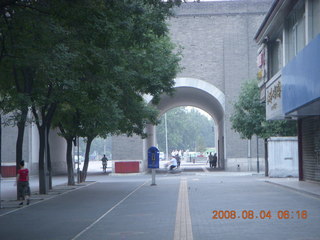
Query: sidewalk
311	188
8	188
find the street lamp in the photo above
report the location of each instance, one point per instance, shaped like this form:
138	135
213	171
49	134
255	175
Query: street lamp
166	131
0	158
257	154
78	169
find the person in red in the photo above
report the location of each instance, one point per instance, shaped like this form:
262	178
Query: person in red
23	184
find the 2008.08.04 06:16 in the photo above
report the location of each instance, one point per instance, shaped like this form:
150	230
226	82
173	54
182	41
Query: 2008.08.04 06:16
262	214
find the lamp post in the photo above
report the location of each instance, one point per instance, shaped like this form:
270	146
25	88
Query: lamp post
78	169
166	131
0	158
257	154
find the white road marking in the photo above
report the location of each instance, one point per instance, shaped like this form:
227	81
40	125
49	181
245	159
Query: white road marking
106	213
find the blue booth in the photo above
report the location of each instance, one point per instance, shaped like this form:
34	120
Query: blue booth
153	157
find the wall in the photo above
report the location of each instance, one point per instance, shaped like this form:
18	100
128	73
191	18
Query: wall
283	156
58	158
218	47
245	165
127	148
8	146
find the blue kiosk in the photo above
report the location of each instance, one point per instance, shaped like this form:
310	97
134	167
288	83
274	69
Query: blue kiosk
153	162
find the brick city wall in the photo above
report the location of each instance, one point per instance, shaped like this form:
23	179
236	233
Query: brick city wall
218	47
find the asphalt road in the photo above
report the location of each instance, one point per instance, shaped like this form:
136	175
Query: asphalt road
129	208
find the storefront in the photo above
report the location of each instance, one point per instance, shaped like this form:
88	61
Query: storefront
301	100
289	72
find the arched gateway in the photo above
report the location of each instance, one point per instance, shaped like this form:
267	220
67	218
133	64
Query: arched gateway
188	92
200	94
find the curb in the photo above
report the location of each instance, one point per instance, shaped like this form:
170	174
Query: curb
294	189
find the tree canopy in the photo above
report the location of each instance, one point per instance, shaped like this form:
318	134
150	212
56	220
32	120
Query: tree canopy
85	65
249	117
186	130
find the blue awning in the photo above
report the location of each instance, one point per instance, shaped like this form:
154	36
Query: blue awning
301	82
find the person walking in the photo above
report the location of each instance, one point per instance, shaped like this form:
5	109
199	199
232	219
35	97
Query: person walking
214	161
178	160
210	160
23	184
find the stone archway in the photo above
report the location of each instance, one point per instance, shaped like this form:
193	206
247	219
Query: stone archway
197	93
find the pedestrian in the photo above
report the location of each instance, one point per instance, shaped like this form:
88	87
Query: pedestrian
214	162
210	159
178	160
104	162
23	184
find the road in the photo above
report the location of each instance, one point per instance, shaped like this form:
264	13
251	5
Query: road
180	206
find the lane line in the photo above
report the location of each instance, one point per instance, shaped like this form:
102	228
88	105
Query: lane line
183	226
106	213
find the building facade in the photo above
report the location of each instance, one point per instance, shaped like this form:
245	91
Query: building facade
288	61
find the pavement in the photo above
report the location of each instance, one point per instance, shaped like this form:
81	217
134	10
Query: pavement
190	204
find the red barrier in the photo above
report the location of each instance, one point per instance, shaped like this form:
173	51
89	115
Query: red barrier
8	171
126	167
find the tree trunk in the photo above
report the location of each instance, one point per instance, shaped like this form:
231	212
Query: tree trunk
19	143
266	158
43	174
70	162
43	125
49	160
86	160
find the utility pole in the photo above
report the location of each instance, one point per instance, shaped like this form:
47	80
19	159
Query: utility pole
0	159
78	168
166	131
257	154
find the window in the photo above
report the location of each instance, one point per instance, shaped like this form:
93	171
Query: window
315	18
296	31
275	56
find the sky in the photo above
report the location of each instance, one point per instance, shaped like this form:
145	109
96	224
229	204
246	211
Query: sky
199	110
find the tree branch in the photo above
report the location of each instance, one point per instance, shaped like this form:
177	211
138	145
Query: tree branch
35	114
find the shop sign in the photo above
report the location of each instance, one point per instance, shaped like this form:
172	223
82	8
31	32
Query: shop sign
274	100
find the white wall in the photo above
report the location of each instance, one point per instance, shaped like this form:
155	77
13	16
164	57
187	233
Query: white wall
283	157
58	150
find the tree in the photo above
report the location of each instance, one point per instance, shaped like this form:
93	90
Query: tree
121	43
124	53
249	118
87	115
24	44
186	130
